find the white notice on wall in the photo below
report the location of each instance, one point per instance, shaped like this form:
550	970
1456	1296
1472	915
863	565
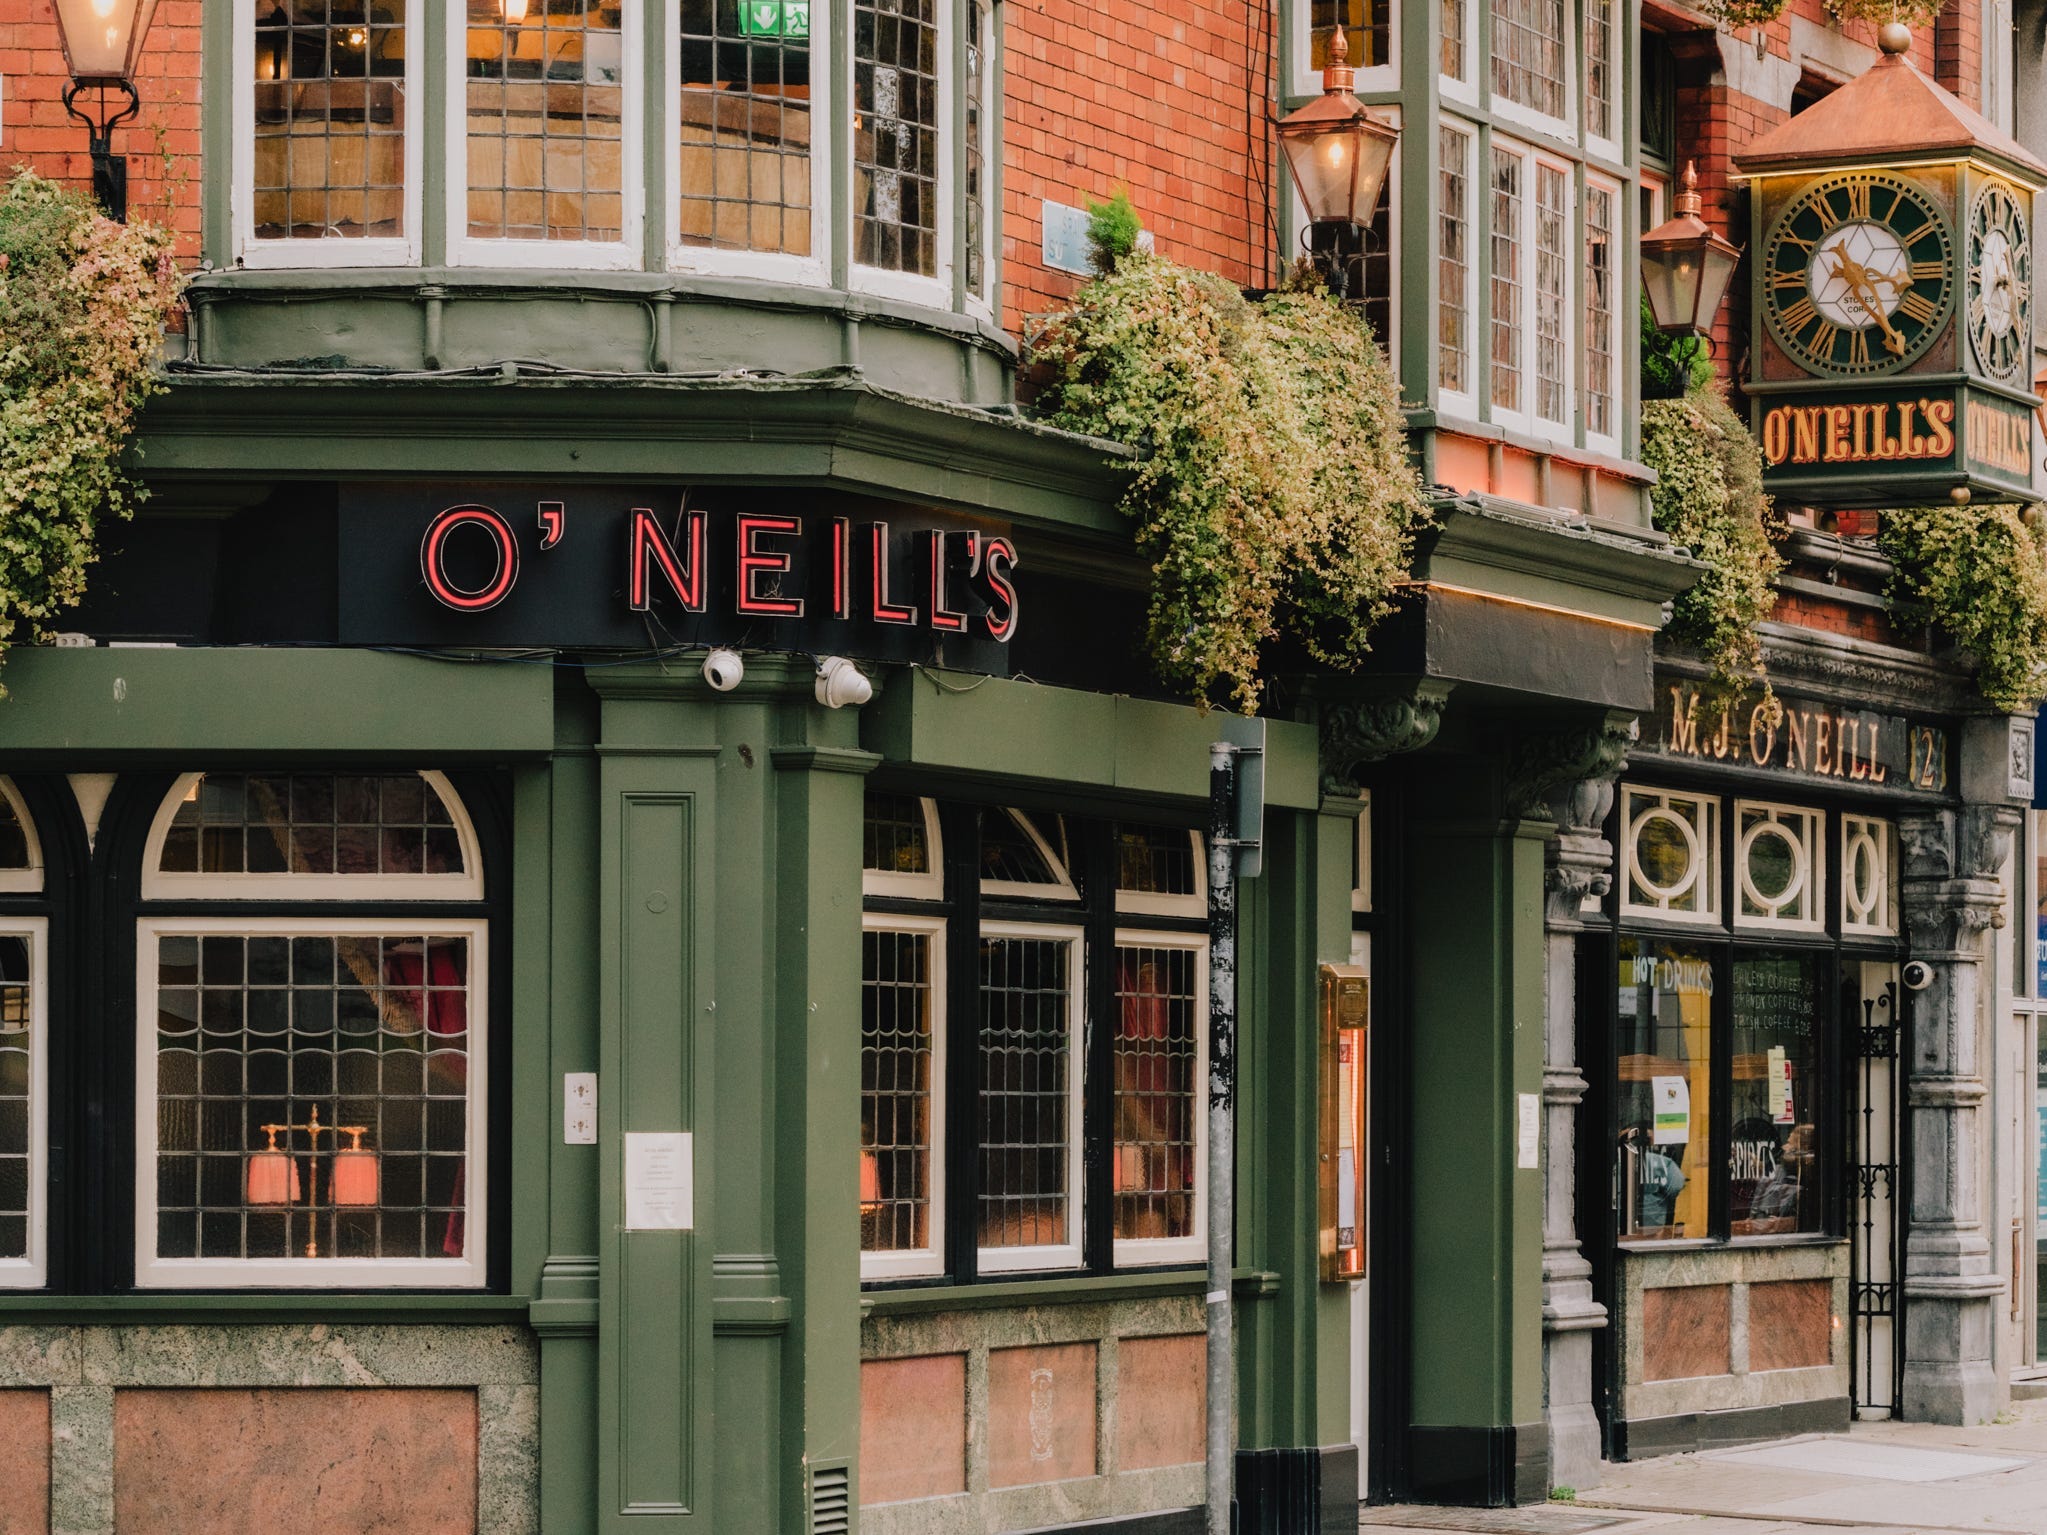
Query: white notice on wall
1779	1072
1671	1101
659	1182
1529	1141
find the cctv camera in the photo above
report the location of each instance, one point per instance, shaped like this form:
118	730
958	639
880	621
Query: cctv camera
723	669
1918	975
840	682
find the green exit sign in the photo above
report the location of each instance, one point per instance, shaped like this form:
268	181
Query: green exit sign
774	18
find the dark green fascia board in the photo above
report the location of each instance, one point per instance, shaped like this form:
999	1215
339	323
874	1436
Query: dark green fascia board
1000	730
139	705
837	432
1531	554
300	285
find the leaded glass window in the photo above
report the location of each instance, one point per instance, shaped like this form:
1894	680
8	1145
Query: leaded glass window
979	109
1528	54
901	1045
1552	292
331	111
1453	260
24	1072
1453	46
1365	31
1599	69
1507	280
544	108
1600	252
1029	1072
897	144
1160	1027
745	125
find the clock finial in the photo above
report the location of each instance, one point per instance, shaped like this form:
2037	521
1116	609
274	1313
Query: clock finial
1894	37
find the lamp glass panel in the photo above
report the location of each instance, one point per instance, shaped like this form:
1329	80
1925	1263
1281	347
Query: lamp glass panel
1671	280
102	38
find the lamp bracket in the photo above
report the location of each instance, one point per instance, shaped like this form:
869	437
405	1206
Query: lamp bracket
109	170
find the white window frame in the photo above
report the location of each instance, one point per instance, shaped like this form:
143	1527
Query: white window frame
1134	1252
156	1273
935	291
1046	1257
1563	129
1304	80
1884	833
32	1271
928	1261
1607	148
1151	903
625	254
982	306
1478	255
1061	890
1805	830
813	270
374	252
1463	86
1528	419
1637	803
928	886
159	884
1618	292
17	881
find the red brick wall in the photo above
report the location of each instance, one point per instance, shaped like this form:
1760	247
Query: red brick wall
1148	95
35	131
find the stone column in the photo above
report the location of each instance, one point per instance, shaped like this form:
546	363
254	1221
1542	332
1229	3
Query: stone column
1568	778
1951	894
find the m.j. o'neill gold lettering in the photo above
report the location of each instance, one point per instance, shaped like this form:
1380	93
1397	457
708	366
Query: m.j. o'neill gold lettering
1799	736
1858	434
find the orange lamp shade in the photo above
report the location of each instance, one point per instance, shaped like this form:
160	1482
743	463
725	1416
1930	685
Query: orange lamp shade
273	1178
870	1183
355	1177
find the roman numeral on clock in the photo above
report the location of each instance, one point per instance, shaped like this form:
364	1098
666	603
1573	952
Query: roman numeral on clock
1800	315
1822	343
1928	271
1781	281
1858	199
1917	306
1858	349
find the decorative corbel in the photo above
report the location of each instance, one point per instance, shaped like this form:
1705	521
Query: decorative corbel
1357	732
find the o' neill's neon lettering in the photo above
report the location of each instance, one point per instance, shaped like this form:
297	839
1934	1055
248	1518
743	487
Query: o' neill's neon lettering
850	573
433	555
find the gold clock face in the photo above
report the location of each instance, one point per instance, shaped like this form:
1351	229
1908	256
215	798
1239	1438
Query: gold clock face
2000	281
1858	275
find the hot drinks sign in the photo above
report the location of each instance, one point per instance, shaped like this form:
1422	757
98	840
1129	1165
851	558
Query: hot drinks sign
641	568
1803	738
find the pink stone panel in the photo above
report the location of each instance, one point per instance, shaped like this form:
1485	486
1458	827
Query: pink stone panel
1161	1395
400	1462
1790	1324
913	1427
25	1465
1041	1414
1686	1331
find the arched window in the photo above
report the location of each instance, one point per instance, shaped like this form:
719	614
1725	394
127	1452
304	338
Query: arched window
317	1071
24	1047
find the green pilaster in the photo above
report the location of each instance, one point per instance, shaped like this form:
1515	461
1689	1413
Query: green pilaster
217	116
1475	908
1293	1366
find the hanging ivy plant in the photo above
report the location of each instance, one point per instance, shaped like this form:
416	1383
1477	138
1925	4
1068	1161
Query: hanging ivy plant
1709	498
1743	13
83	303
1916	14
1273	495
1979	573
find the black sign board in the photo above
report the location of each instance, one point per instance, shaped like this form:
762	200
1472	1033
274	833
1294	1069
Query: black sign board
639	567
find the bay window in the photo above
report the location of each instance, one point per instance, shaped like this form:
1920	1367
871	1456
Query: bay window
797	137
1005	1126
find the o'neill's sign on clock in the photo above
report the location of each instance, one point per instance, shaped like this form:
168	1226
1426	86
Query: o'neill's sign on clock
1891	268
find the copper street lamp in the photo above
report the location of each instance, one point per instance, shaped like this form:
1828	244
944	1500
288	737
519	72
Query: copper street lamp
1686	267
102	41
1337	150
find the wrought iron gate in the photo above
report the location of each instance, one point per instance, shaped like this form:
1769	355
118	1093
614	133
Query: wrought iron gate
1876	1194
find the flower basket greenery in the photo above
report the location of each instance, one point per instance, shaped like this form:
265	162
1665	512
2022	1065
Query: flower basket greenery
1709	498
1273	495
83	304
1979	574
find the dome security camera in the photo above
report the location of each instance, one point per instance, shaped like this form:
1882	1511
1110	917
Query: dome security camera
1918	975
840	682
723	669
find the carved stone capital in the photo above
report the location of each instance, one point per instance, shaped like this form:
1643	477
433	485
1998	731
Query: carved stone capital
1566	774
1357	732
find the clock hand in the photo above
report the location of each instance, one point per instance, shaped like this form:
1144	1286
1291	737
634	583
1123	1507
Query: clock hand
1863	288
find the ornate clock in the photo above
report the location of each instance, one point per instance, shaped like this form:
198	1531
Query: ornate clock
1858	274
2000	281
